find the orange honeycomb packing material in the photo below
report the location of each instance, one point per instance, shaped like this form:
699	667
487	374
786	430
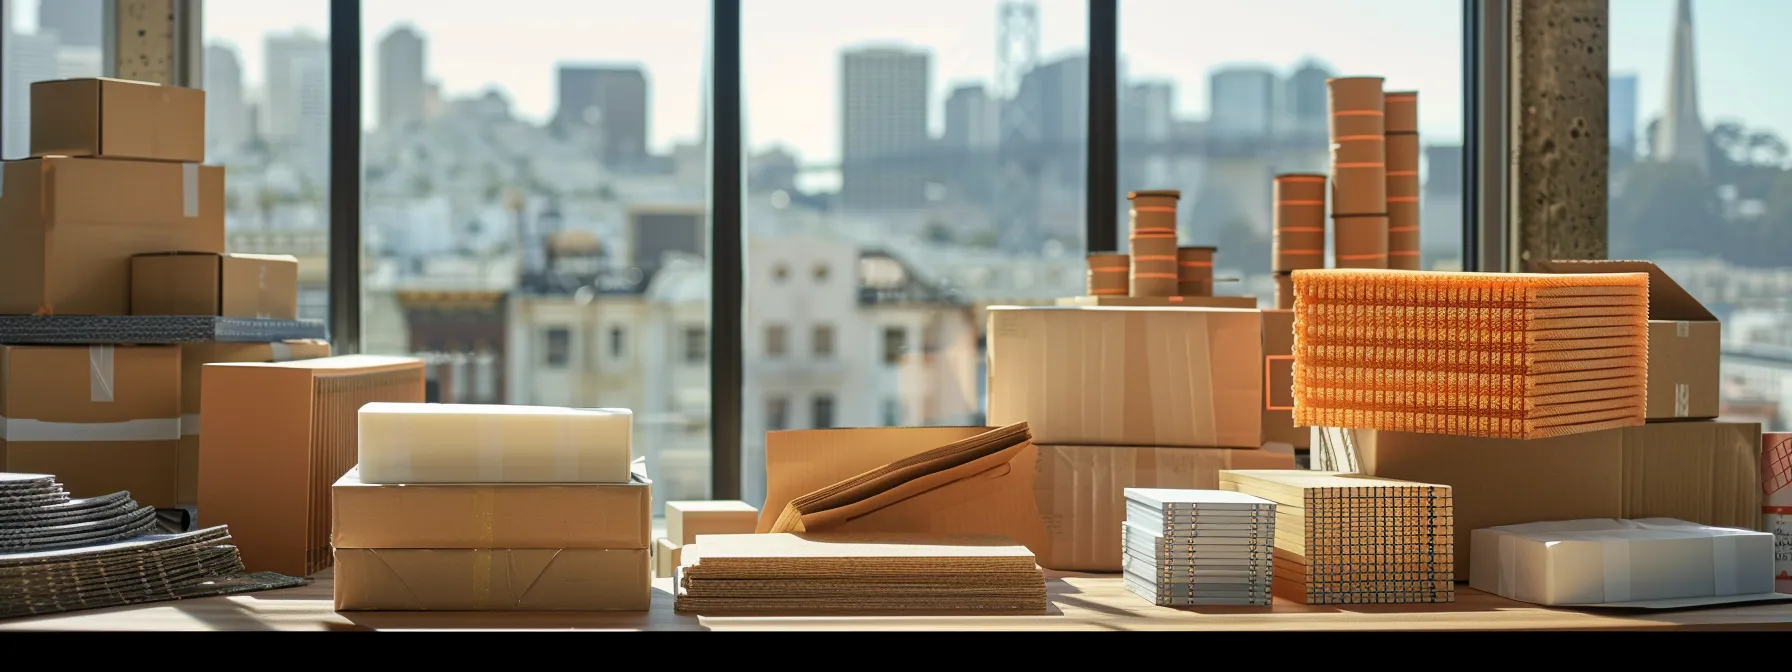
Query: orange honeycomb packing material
1501	355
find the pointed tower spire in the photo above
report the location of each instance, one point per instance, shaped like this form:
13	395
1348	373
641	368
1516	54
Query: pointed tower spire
1680	137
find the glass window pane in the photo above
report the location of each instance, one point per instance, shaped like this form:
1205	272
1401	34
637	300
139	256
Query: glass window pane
1701	177
1219	97
908	163
536	208
267	121
44	40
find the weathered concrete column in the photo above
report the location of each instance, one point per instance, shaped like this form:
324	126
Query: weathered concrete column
1559	147
156	41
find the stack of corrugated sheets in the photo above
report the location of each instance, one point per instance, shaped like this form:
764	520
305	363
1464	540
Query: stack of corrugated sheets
736	573
1198	547
1350	539
1472	354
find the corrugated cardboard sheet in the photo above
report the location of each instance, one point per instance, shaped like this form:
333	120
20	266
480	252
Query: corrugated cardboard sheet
1080	492
1704	472
102	419
1190	377
1685	343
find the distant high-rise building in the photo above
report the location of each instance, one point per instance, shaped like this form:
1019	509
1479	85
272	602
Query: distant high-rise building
1242	103
402	90
1680	138
1621	123
29	57
1147	111
226	111
883	127
1305	110
76	23
1054	101
292	62
613	99
972	118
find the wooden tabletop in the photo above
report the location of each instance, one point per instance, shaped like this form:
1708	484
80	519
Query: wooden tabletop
1079	602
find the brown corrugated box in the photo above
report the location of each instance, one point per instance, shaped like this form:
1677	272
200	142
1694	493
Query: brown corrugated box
999	502
193	358
117	119
276	437
1685	342
1080	492
1705	472
1278	381
102	419
1162	301
533	579
509	515
1115	376
227	285
666	557
103	212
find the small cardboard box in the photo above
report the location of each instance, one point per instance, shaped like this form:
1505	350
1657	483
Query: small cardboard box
117	119
1704	472
102	419
686	520
1278	381
1080	491
193	358
226	285
483	516
1622	563
102	213
513	579
1685	343
666	557
1118	376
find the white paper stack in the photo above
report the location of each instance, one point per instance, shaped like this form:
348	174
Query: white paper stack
1198	547
1654	562
477	443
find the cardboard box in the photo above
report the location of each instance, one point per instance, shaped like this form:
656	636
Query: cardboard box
277	436
102	419
193	358
1115	376
1624	563
996	502
666	557
479	516
1162	301
1703	472
117	119
1685	343
1080	491
102	213
686	520
536	579
227	285
1776	504
1278	381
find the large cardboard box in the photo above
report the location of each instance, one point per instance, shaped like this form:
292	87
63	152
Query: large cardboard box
1685	343
101	212
102	419
118	119
500	547
1080	491
1278	381
276	438
193	358
1118	376
227	285
1702	472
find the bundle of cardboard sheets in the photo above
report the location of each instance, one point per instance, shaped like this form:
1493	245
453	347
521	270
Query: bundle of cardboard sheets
150	568
36	514
1198	547
858	572
1499	355
1351	539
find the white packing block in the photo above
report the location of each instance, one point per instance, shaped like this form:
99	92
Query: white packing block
1619	562
472	443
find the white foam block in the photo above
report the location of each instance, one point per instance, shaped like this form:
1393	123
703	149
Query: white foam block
470	443
1619	562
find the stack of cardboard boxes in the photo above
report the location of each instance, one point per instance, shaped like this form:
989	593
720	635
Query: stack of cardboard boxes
114	215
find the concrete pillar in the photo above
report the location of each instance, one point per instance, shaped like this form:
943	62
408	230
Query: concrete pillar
156	41
1559	151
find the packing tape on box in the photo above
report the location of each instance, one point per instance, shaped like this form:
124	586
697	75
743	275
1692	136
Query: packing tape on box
1682	329
189	189
280	352
156	429
189	424
491	462
1682	400
261	290
99	373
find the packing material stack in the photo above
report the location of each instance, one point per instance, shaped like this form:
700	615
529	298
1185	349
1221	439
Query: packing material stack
115	185
1198	547
492	508
1157	272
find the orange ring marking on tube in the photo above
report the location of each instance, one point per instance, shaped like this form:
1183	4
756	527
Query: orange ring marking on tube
1360	257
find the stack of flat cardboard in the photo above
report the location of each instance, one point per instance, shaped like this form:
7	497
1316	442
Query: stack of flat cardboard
492	508
841	572
37	514
1198	547
149	568
1349	539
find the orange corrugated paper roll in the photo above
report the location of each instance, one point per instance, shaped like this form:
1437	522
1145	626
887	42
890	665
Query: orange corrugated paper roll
1515	356
1402	108
1194	267
1108	273
1153	240
1299	213
1359	172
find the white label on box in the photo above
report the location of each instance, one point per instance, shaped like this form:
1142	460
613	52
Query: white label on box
1780	524
99	373
1683	329
1682	400
189	189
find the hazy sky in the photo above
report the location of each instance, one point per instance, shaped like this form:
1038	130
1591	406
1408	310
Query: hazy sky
791	49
